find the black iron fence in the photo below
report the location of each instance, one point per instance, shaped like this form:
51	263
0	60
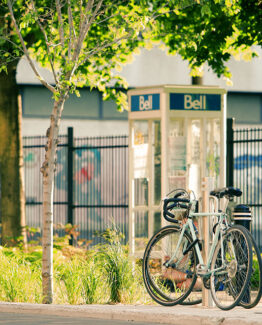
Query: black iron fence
91	183
245	171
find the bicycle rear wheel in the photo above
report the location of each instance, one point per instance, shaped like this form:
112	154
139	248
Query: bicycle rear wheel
253	292
229	283
169	284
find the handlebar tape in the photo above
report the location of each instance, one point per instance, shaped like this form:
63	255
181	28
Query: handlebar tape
178	194
176	203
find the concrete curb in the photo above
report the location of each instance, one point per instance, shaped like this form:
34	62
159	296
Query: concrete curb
178	315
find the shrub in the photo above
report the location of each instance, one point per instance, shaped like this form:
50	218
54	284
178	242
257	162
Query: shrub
91	281
113	259
101	274
19	280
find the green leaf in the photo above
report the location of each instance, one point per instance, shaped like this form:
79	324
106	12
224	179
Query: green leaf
205	10
3	68
77	93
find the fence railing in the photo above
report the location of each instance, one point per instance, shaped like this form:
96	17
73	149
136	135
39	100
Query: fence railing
245	172
91	183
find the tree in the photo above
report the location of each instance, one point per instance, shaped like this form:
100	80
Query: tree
82	41
12	198
212	33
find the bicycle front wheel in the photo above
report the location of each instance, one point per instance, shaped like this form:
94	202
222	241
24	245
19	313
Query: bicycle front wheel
231	267
169	279
253	292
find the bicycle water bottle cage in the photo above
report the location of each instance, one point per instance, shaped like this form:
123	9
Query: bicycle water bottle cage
228	192
179	207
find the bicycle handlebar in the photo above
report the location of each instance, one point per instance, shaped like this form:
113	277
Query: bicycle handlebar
178	194
176	203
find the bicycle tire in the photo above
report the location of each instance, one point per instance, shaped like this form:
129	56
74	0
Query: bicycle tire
170	285
229	285
254	287
254	290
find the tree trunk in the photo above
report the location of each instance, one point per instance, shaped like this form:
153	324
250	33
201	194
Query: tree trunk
48	170
12	199
197	81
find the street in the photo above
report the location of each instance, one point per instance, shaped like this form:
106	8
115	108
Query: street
40	314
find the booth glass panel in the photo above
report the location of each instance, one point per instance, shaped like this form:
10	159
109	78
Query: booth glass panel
140	133
194	163
141	230
157	221
213	149
141	191
140	158
177	155
156	147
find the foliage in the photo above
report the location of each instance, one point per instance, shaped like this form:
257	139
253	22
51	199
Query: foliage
115	262
80	276
200	31
78	55
19	279
82	41
211	33
91	279
255	275
111	234
67	275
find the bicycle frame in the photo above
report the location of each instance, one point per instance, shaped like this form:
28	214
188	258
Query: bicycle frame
222	224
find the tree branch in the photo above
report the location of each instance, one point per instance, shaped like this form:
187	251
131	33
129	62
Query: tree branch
102	47
46	41
84	14
89	23
72	33
25	50
14	44
60	21
82	34
81	14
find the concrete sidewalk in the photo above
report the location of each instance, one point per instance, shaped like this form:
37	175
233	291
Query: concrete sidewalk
177	315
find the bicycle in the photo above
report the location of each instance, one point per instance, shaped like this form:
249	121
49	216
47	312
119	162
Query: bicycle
242	214
173	260
254	288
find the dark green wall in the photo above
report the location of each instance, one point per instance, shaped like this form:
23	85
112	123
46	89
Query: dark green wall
37	102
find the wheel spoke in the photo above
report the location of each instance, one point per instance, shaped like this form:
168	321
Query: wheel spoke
228	290
169	279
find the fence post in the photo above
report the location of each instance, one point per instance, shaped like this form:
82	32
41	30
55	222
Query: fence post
70	143
230	152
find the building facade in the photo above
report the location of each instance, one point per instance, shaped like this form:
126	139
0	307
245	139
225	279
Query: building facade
91	116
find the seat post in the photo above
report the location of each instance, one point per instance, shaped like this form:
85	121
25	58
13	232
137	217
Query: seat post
219	198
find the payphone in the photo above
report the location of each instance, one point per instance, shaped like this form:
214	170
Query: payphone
176	139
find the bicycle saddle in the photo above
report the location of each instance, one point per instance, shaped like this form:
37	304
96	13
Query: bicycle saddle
226	191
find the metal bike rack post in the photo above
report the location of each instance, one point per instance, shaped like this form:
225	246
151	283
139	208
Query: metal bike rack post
206	232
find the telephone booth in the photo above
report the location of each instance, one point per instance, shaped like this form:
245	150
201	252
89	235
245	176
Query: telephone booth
176	138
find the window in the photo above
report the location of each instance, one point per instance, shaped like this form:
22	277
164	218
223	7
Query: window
245	108
37	102
110	111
